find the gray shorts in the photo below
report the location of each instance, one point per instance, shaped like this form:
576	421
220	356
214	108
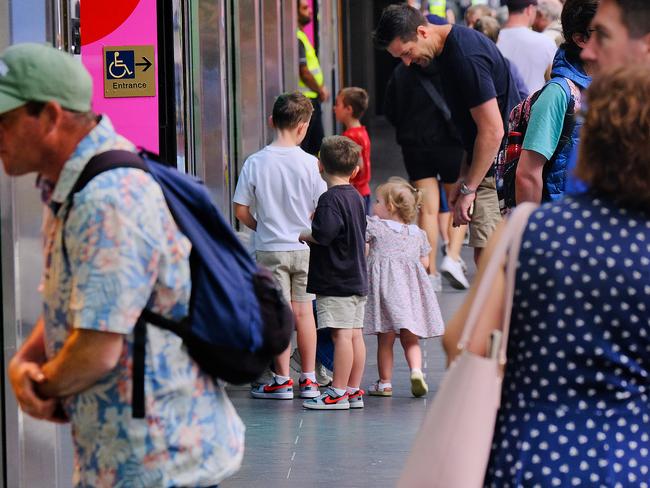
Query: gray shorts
290	268
340	312
486	214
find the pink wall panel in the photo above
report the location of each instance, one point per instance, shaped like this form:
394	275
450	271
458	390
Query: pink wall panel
134	118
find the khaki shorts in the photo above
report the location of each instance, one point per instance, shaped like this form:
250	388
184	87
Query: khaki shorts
486	214
290	268
340	312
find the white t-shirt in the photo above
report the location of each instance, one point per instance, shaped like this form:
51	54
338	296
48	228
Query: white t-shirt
283	185
531	52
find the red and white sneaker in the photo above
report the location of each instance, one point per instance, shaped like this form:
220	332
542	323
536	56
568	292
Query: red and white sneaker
308	389
274	391
356	399
328	401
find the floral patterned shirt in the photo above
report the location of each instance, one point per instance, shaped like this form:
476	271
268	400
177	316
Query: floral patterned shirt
124	253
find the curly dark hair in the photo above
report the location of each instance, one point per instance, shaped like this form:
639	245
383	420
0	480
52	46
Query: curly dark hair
576	18
615	142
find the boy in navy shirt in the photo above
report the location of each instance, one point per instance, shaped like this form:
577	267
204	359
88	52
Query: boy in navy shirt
337	271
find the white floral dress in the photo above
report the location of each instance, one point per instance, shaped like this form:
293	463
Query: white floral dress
400	292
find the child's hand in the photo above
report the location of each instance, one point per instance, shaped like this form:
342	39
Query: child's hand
305	237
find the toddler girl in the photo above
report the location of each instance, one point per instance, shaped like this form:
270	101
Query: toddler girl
401	299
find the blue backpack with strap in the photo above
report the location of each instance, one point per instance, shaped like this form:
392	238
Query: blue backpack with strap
238	319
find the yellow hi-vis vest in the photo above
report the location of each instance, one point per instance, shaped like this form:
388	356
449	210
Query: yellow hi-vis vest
438	7
312	65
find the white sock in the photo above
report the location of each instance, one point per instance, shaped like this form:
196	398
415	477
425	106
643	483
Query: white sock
281	379
416	370
383	386
311	376
339	391
351	390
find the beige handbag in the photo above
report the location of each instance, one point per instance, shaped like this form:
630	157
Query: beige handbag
452	448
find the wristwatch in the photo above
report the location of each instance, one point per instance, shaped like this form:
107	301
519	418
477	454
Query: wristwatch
466	190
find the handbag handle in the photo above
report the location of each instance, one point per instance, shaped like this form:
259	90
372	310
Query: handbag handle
507	247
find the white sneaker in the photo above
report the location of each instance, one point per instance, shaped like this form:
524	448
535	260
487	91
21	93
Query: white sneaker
436	282
453	271
322	378
463	265
419	387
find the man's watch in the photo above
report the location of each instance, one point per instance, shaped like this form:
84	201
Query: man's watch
466	190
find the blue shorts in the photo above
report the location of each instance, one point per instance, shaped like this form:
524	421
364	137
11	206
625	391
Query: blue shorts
444	204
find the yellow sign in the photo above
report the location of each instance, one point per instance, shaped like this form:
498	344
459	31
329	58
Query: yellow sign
129	71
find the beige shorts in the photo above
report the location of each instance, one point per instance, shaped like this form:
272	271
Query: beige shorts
290	268
486	214
340	312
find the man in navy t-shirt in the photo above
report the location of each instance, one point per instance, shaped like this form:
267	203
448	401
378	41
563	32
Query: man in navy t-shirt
480	93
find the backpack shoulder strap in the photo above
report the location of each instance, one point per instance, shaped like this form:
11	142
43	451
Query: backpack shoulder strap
434	94
566	85
106	161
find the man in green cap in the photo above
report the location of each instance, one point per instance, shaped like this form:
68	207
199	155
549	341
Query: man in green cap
109	252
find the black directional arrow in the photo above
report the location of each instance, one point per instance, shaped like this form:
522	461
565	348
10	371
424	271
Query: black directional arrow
147	64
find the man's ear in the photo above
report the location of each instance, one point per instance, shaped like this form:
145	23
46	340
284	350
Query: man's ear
270	122
51	115
321	169
421	31
355	172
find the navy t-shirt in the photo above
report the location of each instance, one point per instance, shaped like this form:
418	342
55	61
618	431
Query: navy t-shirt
337	264
473	72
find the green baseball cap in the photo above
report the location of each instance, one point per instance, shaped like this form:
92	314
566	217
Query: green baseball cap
40	73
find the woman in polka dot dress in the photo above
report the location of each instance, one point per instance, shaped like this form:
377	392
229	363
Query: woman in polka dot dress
575	407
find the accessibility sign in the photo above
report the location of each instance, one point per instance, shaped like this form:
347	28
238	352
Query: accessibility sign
129	71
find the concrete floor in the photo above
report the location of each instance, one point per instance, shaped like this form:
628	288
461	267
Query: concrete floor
288	446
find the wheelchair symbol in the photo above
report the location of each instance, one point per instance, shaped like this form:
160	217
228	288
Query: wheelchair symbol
121	65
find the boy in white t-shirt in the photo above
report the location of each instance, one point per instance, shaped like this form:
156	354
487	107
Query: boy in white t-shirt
282	183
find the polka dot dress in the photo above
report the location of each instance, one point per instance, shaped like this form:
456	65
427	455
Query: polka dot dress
575	408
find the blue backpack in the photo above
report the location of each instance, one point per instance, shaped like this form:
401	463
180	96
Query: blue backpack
238	319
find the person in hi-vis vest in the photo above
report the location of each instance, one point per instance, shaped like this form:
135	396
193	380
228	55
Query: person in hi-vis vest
310	81
440	9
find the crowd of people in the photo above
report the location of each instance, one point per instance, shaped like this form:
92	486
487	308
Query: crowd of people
466	101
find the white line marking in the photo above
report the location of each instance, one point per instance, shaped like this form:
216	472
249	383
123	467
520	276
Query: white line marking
297	437
300	426
293	456
425	403
425	353
289	473
425	365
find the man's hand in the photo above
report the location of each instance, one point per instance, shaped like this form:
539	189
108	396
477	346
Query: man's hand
323	94
24	376
462	208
